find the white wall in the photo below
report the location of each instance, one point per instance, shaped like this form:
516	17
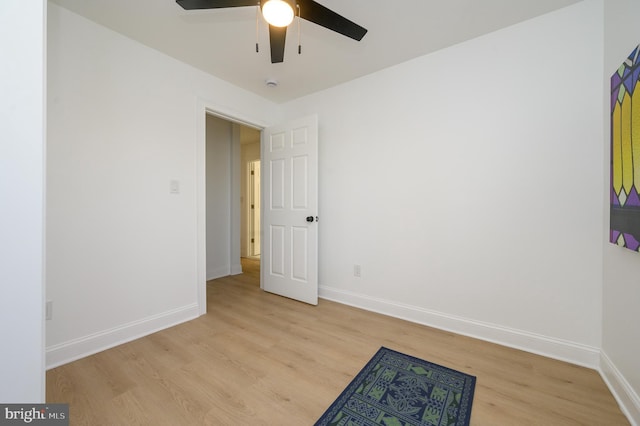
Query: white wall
223	163
22	151
621	332
468	186
123	254
218	175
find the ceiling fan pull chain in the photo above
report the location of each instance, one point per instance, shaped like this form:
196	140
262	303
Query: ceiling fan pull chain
257	27
299	45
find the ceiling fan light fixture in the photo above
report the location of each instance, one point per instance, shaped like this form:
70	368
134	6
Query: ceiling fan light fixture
278	13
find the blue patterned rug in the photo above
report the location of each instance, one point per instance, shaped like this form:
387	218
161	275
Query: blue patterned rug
395	389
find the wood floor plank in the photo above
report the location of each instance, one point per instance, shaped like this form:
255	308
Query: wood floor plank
261	359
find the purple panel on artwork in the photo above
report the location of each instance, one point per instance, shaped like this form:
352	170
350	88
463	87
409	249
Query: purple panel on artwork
629	83
615	80
614	199
614	235
632	243
633	199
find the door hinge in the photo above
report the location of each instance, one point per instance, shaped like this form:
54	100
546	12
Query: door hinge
253	241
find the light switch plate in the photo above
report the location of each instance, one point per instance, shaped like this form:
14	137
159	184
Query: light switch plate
174	187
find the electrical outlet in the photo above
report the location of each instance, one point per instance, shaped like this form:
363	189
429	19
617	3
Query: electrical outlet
48	314
356	270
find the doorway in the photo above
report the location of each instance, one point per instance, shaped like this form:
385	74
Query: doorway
231	221
232	196
303	134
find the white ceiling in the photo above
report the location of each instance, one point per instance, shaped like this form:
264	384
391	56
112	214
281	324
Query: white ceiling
221	42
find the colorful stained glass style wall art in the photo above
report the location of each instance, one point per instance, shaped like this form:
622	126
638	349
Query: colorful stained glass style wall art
625	153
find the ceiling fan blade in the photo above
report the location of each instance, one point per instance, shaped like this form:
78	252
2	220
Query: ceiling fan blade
318	14
277	36
215	4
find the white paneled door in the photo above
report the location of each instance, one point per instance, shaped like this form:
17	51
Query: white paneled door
289	261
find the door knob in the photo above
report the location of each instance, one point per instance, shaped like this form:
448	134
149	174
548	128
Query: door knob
310	219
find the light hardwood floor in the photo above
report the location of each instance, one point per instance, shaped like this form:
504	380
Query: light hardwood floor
260	359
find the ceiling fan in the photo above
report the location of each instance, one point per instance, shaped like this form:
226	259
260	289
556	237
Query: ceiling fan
280	13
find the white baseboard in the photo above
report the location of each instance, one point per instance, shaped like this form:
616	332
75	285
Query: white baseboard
622	391
236	269
218	273
224	272
563	350
75	349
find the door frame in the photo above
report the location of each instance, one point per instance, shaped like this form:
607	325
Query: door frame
251	222
203	108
